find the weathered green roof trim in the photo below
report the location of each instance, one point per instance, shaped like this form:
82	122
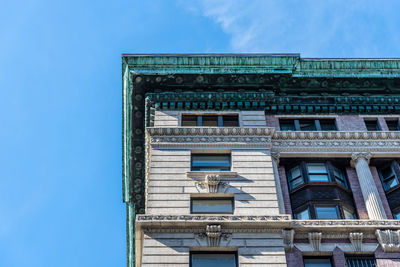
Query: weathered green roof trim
263	63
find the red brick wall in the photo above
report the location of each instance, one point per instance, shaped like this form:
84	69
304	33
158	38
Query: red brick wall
272	121
338	258
294	258
357	194
387	259
350	123
285	189
381	192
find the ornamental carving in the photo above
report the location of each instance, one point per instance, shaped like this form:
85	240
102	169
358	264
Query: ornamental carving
389	240
213	236
356	240
315	240
210	131
355	157
212	184
288	238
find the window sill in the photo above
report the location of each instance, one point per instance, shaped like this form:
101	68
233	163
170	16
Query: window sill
202	174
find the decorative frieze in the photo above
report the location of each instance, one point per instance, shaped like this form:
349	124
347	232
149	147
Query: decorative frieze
389	240
210	131
315	240
356	240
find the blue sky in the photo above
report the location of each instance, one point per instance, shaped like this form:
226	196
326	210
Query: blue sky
60	92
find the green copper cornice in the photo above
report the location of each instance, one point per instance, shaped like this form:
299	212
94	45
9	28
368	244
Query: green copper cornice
261	64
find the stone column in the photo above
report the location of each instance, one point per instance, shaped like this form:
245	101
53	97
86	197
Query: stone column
373	202
275	163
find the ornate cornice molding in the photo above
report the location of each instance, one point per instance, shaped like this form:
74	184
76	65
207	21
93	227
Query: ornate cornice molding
336	142
201	137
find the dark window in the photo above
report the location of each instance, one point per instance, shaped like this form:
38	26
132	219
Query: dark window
211	259
360	261
348	214
393	124
388	176
307	125
303	215
396	215
211	120
212	205
317	262
372	125
326	212
315	172
211	162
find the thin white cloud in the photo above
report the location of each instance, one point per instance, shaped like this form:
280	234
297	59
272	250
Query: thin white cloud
319	28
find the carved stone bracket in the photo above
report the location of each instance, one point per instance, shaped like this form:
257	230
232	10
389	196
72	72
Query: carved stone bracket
212	184
275	156
389	240
315	240
356	156
288	237
213	236
356	240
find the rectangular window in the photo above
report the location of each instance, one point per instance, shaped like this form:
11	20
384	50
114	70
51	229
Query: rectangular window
212	205
317	172
326	212
339	176
348	214
287	125
307	125
317	262
358	261
396	215
303	215
209	259
210	120
393	124
372	125
388	177
295	177
211	162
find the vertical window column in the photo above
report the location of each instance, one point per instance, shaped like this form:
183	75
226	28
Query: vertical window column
373	202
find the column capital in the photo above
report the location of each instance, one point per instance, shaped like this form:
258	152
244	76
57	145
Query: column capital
358	155
275	156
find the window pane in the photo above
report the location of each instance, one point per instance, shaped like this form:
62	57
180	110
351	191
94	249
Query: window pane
287	125
348	214
295	177
316	168
361	261
389	183
393	125
339	176
318	178
307	125
211	162
211	260
231	120
303	215
212	205
189	120
387	172
327	125
326	212
317	263
211	121
397	216
372	125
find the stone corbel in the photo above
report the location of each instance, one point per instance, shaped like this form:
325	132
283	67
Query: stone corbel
288	237
389	240
356	240
211	184
315	240
213	236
